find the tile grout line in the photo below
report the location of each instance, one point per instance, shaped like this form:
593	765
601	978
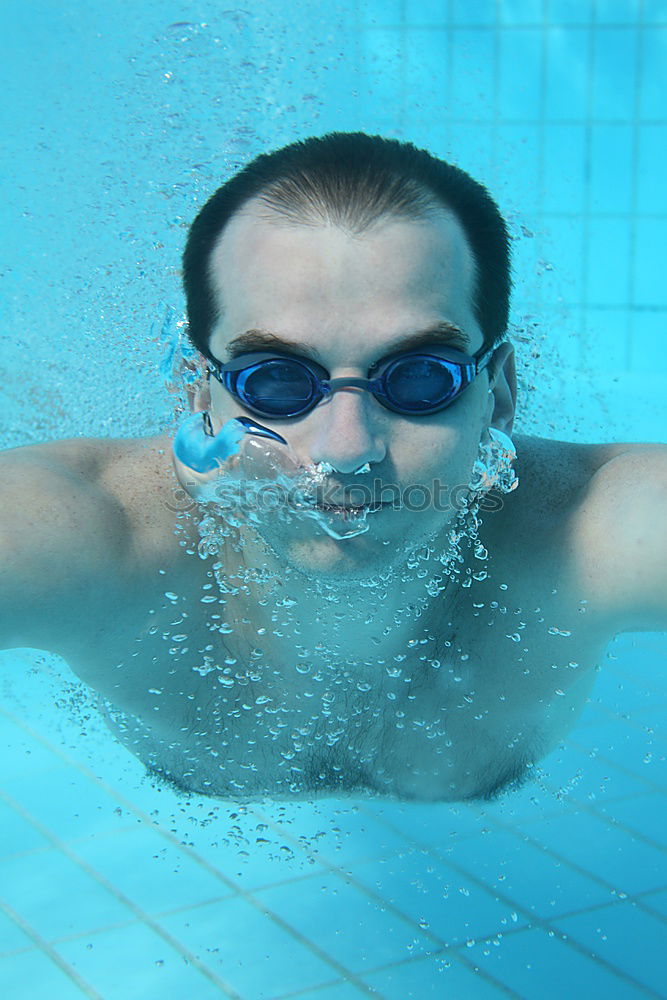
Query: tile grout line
651	786
139	913
285	834
331	867
612	715
44	946
633	835
117	925
349	879
238	890
533	919
650	685
348	876
637	135
494	26
637	897
591	809
313	992
446	949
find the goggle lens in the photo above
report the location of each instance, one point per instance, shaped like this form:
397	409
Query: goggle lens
277	387
417	384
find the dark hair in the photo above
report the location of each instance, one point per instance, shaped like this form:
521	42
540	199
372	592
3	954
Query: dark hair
352	179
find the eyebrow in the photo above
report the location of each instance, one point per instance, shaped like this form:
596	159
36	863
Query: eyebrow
263	340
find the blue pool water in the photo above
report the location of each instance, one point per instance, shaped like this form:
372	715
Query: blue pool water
117	121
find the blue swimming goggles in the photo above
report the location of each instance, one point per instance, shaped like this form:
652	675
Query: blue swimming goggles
414	383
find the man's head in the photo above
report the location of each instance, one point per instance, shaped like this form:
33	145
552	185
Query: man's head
352	180
344	250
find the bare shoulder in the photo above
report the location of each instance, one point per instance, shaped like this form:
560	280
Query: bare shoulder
137	474
83	527
600	511
553	476
88	460
137	471
118	485
559	477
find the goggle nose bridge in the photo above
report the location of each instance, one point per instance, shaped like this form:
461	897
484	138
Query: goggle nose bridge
336	384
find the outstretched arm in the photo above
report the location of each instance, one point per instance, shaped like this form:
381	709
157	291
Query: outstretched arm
60	545
625	541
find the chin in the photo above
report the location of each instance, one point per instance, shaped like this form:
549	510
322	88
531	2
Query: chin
314	554
333	561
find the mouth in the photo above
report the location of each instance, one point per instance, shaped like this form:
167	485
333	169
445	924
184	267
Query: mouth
349	512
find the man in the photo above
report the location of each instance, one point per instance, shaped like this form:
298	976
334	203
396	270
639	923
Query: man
350	294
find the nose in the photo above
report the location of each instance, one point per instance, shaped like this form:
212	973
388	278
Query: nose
346	432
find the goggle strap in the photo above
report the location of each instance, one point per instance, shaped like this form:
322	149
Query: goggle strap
483	359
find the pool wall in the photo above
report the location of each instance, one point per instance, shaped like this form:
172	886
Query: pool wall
118	120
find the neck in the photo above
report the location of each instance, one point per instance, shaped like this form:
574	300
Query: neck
343	617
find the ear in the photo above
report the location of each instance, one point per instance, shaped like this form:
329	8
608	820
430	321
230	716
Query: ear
503	386
198	390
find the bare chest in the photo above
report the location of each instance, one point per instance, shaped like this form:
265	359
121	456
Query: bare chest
222	707
214	698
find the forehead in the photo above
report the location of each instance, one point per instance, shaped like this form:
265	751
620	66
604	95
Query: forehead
320	281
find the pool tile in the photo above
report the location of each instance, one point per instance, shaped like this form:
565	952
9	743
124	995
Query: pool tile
611	733
339	991
528	12
644	814
249	950
12	938
483	12
646	269
599	848
610	174
254	863
435	977
33	974
437	899
635	655
17	835
425	12
242	845
430	824
634	755
565	99
57	897
383	12
597	779
625	936
651	197
534	801
532	878
656	901
274	842
134	961
652	103
150	870
24	756
345	839
552	778
515	96
533	963
357	931
67	802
